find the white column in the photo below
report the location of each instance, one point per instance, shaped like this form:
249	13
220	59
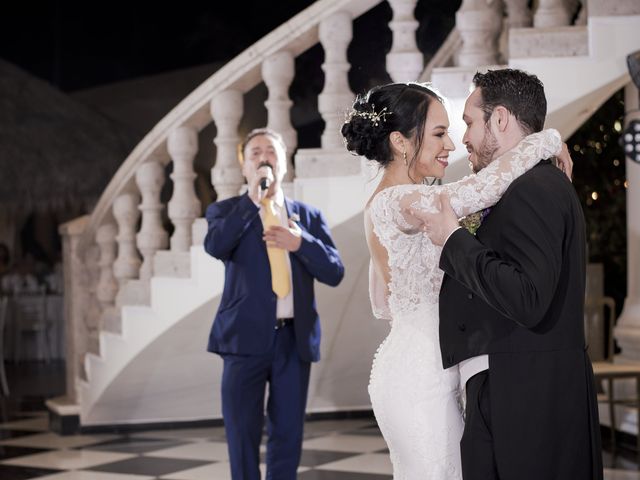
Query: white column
404	62
226	175
107	287
126	213
479	23
184	206
278	71
551	13
152	236
336	97
628	328
518	14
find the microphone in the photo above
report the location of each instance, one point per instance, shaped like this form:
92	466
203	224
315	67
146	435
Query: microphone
267	177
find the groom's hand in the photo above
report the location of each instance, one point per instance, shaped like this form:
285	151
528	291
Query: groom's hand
439	226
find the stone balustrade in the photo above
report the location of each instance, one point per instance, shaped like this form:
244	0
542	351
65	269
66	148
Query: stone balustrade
184	206
278	71
551	13
404	62
336	97
152	236
226	110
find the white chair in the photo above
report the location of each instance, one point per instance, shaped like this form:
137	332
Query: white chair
4	309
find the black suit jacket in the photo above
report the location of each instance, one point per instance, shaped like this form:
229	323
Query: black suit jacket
516	292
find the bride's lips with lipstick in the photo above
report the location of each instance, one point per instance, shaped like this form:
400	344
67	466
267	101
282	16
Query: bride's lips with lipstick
444	160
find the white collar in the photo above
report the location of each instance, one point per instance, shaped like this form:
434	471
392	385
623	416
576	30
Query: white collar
278	198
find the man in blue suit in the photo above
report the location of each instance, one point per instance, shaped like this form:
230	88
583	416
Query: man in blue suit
267	330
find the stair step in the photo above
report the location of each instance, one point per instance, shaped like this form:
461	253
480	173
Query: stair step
572	41
454	82
607	8
93	343
172	264
134	292
318	162
199	231
111	320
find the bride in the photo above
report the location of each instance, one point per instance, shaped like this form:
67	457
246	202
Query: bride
404	128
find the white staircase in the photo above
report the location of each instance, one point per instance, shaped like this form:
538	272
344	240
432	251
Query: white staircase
138	315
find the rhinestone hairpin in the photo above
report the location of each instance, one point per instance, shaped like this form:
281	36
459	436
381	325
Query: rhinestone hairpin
373	116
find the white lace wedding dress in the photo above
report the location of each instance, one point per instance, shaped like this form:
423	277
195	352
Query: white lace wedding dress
416	402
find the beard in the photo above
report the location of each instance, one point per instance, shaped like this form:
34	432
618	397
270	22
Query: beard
486	152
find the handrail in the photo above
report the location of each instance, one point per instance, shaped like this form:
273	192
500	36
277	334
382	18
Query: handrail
444	55
242	73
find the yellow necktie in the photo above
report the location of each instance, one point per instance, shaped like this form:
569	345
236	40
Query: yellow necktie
280	282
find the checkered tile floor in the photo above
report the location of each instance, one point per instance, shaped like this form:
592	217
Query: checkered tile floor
333	450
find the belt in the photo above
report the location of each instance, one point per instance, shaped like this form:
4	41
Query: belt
283	322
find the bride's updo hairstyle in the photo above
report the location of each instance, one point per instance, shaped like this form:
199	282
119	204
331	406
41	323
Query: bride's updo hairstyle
400	107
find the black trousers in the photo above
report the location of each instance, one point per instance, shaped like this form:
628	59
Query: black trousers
476	445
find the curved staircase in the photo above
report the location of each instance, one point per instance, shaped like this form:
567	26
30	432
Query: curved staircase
139	304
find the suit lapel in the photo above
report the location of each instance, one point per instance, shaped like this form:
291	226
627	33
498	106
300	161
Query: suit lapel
292	208
292	212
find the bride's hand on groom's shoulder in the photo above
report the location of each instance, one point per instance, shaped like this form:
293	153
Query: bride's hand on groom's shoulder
564	162
439	225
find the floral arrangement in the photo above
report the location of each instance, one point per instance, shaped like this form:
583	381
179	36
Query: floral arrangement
473	221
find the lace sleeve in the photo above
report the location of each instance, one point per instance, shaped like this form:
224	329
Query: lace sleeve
476	192
411	255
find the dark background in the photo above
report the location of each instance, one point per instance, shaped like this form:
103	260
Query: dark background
77	45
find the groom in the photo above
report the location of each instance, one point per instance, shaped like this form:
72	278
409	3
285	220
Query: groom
511	304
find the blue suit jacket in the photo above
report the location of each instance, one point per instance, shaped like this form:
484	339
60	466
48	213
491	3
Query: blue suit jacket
246	317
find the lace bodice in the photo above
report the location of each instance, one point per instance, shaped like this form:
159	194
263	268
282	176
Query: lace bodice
412	259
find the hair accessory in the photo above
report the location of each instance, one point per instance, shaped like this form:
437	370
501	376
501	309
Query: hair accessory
373	116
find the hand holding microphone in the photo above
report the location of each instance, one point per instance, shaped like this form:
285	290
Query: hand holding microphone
262	181
265	172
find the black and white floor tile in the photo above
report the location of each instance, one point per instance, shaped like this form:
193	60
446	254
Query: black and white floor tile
351	449
333	450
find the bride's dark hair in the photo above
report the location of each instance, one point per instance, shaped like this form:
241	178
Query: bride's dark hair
400	107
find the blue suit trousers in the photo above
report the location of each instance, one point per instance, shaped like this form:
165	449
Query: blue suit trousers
245	381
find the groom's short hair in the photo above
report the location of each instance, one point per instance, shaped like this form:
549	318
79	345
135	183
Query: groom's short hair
521	93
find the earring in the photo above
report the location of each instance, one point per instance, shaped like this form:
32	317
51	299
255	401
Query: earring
404	157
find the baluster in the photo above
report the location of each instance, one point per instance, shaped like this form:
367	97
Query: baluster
278	71
107	287
550	13
335	35
479	23
184	206
226	175
404	62
126	213
152	236
519	14
583	14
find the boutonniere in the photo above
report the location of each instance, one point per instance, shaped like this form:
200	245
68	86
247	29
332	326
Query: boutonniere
295	217
473	221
